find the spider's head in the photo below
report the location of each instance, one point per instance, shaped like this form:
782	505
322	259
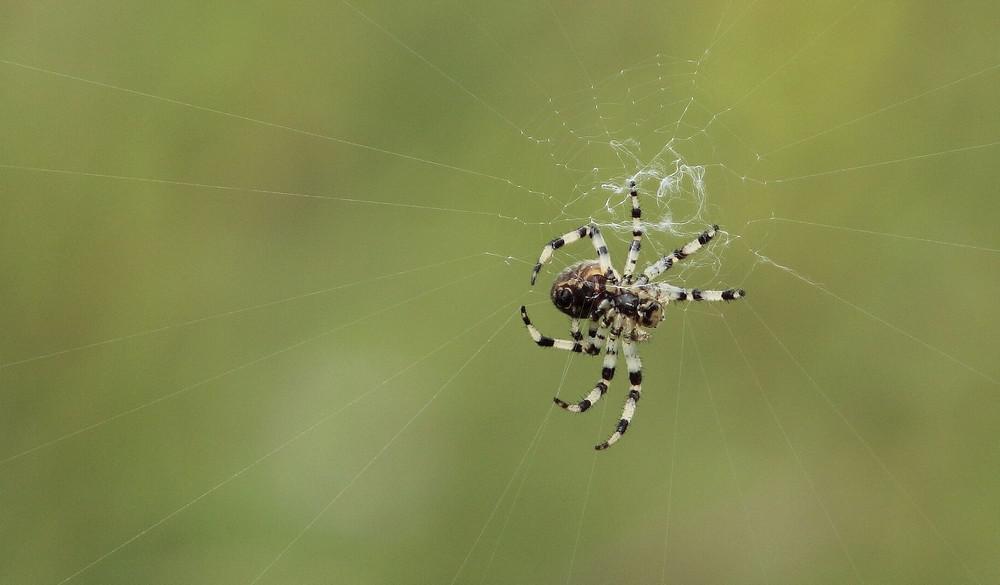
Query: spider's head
650	314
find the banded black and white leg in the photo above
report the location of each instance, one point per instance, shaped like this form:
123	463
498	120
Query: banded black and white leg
545	341
601	388
669	292
596	238
634	364
663	264
602	320
633	251
595	339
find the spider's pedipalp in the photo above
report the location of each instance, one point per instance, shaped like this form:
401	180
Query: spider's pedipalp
634	365
592	346
595	340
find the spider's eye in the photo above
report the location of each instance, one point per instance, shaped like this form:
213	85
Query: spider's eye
563	298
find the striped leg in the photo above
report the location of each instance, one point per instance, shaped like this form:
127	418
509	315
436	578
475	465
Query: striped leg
544	341
663	264
633	251
595	339
595	238
675	293
602	318
607	373
634	365
591	346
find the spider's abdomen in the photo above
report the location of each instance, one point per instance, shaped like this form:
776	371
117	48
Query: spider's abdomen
579	290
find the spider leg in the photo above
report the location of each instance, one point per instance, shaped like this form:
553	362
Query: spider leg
607	373
589	346
634	365
664	264
568	238
669	292
544	341
633	251
601	321
595	339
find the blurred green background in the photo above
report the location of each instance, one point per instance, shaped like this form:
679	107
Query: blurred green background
260	264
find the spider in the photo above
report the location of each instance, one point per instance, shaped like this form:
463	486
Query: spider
619	306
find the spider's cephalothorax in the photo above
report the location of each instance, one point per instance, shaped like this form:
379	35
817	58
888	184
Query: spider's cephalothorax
619	307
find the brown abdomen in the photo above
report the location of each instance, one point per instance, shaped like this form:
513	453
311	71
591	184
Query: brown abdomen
587	281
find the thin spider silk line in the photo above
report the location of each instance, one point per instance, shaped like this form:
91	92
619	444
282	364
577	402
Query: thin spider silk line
717	39
694	104
274	125
517	493
260	191
881	110
751	533
233	370
810	481
793	58
177	183
503	493
587	75
395	39
231	312
379	454
280	447
873	113
883	163
787	270
586	496
673	452
765	181
868	447
874	233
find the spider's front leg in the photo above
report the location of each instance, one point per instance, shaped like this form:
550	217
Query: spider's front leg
596	239
668	292
633	251
663	264
634	365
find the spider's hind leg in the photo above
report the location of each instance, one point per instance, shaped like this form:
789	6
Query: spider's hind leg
607	373
634	365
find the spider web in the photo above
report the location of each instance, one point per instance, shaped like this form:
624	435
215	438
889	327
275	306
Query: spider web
305	373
